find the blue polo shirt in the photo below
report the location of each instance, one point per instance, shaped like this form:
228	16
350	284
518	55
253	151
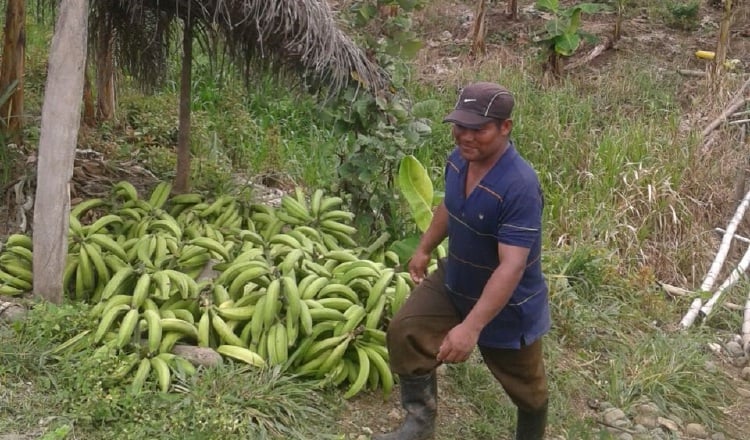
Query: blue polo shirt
505	207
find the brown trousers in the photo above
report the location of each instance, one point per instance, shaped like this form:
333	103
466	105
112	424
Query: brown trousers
418	329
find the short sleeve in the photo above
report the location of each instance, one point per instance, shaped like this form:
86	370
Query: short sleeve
520	222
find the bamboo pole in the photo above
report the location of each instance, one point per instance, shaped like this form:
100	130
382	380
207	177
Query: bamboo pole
713	272
746	326
731	279
736	237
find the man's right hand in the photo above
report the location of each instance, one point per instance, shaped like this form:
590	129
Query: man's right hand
418	265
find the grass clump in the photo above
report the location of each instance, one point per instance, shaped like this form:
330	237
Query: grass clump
229	401
681	14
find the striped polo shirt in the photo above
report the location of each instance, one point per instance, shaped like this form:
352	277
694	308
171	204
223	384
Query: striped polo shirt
505	207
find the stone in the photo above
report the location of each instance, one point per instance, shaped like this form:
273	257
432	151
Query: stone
740	361
625	436
745	373
612	415
667	423
710	367
734	348
623	423
641	429
696	430
718	436
648	421
744	392
647	409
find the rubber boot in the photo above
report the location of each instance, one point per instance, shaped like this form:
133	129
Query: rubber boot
531	424
419	399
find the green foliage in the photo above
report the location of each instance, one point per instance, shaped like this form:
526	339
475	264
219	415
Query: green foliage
562	34
682	14
377	131
416	186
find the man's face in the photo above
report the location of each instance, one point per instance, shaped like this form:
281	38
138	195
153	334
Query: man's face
483	145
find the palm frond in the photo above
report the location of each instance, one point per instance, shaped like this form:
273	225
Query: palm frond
299	36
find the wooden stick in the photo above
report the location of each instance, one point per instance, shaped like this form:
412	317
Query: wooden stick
731	279
598	50
686	72
746	326
738	121
738	101
736	237
721	254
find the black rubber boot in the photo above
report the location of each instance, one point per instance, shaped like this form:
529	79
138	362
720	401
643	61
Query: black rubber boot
419	399
531	424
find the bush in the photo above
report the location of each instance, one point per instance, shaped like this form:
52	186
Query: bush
682	15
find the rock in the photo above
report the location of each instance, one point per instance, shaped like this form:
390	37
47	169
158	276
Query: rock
744	392
625	436
696	430
648	421
739	361
612	415
605	406
394	414
667	423
714	347
647	409
718	436
734	348
623	423
710	367
745	373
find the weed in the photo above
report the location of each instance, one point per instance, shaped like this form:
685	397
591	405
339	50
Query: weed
682	14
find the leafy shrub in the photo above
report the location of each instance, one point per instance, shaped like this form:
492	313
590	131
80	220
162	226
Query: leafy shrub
682	14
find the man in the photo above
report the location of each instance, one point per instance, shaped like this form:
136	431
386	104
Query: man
490	290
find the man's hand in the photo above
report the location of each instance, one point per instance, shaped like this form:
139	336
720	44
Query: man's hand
458	344
418	265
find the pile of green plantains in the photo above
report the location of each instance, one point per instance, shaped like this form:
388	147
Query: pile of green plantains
287	287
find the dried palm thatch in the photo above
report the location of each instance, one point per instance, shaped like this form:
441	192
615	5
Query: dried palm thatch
299	36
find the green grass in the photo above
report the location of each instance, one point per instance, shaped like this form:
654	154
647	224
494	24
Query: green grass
229	401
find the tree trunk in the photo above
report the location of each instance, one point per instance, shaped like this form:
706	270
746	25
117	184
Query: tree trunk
722	45
61	116
105	70
11	71
479	30
89	112
182	176
513	9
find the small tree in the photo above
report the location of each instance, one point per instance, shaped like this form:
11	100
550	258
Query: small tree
11	71
562	34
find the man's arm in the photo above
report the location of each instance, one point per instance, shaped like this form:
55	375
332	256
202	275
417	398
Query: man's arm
499	287
460	341
432	237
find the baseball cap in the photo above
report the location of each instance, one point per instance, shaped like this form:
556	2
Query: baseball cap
480	103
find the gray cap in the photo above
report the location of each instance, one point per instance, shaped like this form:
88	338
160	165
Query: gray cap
480	103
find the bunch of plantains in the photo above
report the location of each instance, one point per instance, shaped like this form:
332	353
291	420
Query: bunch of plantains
290	286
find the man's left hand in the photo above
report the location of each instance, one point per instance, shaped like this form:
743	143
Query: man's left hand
458	344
